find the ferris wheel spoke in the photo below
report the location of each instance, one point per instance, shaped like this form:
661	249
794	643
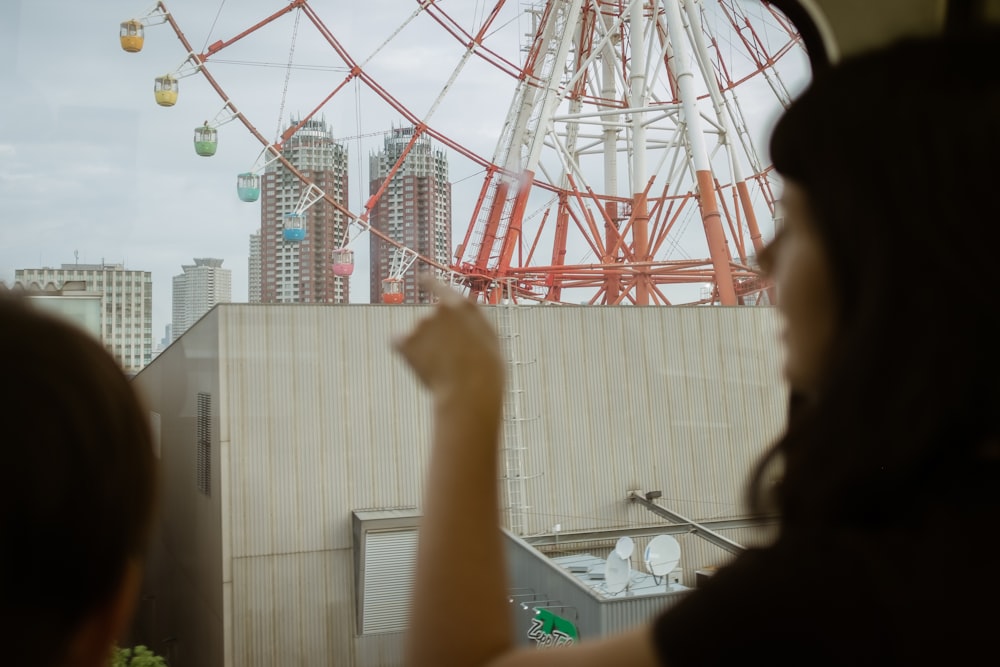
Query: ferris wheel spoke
477	38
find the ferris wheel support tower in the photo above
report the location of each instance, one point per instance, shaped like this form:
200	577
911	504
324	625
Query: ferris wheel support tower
710	216
629	77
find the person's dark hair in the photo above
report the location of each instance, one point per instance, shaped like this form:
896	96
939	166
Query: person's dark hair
77	483
897	151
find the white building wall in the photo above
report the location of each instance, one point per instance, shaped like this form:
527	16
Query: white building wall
318	417
317	431
79	307
126	307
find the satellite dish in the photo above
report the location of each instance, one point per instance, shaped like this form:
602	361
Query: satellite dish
662	555
624	547
616	573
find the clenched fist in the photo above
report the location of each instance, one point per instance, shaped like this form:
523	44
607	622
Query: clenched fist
456	354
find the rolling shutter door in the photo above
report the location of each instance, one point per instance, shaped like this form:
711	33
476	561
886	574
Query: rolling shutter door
390	557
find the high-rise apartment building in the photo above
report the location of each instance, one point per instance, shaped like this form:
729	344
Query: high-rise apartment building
253	269
201	286
126	309
299	271
414	210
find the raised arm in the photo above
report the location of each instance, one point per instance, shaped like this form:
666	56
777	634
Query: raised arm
460	564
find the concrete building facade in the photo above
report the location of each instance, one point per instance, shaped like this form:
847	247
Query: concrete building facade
299	271
294	445
414	210
200	287
71	301
126	322
253	269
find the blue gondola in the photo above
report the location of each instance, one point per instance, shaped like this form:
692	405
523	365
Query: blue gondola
295	227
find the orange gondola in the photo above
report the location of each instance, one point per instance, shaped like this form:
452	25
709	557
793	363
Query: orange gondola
392	291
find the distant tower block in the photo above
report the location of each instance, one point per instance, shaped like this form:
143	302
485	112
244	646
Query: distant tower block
414	209
297	244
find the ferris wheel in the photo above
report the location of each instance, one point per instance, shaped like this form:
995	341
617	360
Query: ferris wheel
625	164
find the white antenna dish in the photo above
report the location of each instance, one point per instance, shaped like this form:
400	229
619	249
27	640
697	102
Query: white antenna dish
663	553
624	547
616	573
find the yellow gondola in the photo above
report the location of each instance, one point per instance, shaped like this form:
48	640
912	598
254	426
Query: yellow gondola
165	89
132	35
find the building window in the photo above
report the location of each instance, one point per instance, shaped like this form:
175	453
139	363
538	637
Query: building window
204	445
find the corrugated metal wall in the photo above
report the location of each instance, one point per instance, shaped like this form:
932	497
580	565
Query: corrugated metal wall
293	609
681	400
326	419
320	418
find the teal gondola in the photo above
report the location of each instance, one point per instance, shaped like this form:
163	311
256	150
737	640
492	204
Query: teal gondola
248	186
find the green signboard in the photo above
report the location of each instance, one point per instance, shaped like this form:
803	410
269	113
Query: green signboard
547	629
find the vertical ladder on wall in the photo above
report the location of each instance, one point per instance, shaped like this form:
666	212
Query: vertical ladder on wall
512	451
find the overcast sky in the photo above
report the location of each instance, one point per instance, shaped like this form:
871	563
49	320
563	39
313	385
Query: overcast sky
90	165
